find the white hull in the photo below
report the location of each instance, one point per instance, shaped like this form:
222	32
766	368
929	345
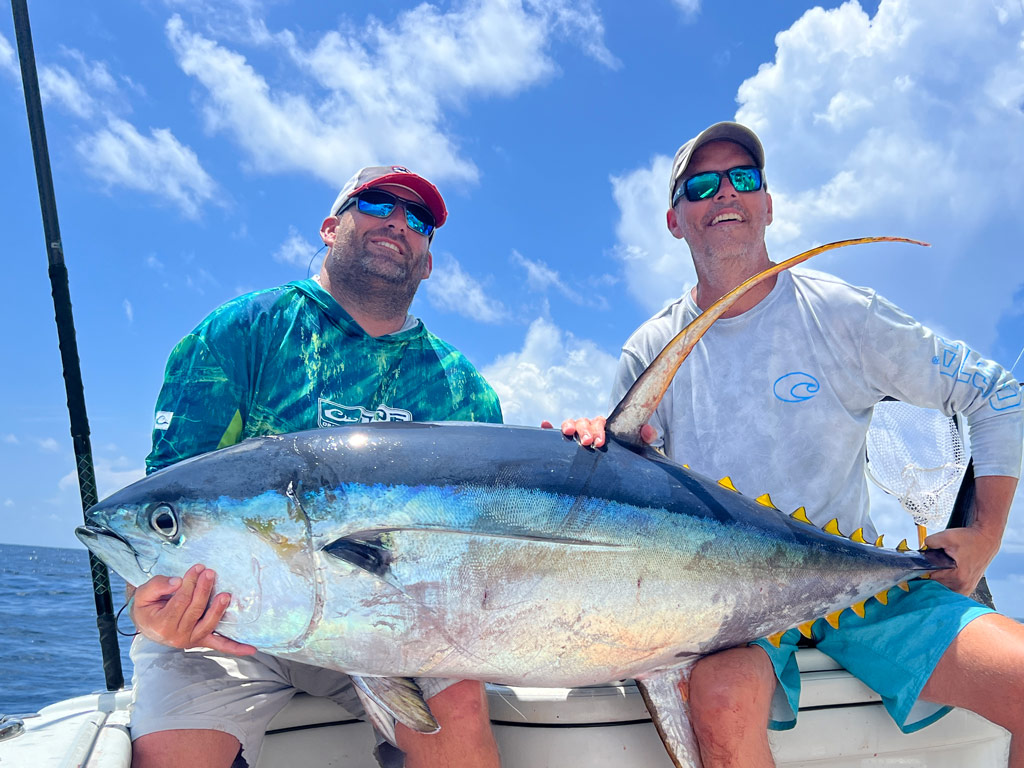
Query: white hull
841	725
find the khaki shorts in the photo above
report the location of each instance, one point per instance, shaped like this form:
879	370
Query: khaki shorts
202	689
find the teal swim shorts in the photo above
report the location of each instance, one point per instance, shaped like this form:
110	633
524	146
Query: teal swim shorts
893	650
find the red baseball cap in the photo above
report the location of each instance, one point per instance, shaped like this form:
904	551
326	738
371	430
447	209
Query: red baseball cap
376	175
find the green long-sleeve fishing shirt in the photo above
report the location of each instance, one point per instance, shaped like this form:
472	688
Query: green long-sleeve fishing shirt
290	358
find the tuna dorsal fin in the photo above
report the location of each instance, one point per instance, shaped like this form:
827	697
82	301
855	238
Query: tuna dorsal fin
637	407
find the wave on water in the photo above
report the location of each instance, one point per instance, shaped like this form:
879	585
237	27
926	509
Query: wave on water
49	643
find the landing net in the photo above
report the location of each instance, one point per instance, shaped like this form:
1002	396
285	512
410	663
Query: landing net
918	456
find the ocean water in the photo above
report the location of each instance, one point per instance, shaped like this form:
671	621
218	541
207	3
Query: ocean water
49	643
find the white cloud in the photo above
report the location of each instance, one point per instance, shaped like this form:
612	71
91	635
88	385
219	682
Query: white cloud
656	266
48	444
690	8
554	376
452	289
91	91
8	502
96	73
117	153
230	19
111	475
129	312
86	90
56	84
11	439
295	250
376	94
904	123
575	19
8	58
158	164
540	278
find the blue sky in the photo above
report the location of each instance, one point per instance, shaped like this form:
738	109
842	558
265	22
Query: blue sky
197	146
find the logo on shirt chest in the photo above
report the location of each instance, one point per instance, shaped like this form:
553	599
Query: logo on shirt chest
796	387
331	414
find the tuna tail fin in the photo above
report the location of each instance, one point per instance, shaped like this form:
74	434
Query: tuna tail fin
637	407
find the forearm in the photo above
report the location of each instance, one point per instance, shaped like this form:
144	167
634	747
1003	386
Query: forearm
993	495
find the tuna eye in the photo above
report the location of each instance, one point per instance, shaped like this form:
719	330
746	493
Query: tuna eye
164	521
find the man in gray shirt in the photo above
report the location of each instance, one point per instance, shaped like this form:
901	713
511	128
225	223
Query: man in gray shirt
778	395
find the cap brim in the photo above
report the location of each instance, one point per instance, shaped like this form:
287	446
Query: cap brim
427	191
725	131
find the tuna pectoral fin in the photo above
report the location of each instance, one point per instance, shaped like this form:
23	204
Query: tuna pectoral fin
638	405
666	695
400	698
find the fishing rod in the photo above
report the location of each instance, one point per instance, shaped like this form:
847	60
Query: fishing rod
60	289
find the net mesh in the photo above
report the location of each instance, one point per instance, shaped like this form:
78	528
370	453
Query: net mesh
918	456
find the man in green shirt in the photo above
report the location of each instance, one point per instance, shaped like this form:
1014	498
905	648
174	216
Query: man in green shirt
335	349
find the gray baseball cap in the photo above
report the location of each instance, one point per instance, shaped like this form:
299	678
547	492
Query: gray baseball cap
740	134
375	175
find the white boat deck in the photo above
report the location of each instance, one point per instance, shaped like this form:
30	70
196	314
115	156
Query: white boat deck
841	725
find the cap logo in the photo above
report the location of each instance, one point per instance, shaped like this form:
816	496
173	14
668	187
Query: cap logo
400	169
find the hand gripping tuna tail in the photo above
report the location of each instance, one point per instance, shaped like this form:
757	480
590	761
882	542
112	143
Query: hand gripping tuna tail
640	402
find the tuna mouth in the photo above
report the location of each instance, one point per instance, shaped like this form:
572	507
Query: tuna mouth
94	533
117	552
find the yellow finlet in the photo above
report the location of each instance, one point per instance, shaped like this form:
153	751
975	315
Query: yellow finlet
922	534
858	536
776	639
902	546
878	541
858	608
726	482
801	515
883	597
805	628
687	466
765	500
832	527
904	586
833	619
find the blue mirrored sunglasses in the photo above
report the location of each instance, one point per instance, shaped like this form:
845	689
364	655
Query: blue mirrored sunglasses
744	178
377	202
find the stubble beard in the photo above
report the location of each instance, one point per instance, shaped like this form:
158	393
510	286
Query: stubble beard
724	250
378	285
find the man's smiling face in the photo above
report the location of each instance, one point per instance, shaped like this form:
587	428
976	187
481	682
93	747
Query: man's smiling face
384	248
728	223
